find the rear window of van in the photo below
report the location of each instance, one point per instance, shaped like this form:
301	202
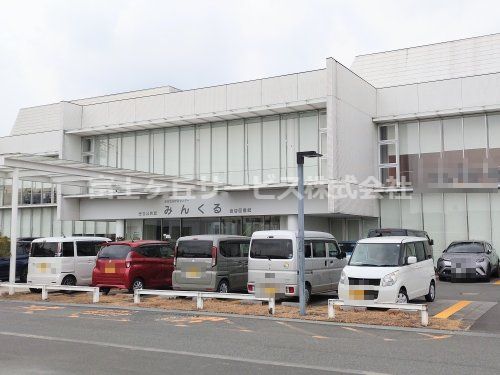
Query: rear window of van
44	249
194	249
271	249
114	252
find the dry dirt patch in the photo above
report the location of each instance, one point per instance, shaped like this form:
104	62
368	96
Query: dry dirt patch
375	317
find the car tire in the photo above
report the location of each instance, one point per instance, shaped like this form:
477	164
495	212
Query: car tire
138	283
223	286
487	277
431	296
69	280
497	272
307	294
402	296
23	277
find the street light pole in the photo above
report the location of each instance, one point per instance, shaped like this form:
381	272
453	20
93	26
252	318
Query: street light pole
300	253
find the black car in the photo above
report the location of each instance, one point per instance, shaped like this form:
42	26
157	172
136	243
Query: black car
347	246
22	250
468	260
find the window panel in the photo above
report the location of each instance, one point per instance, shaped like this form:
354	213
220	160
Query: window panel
172	151
114	150
308	140
254	151
67	228
455	216
411	212
204	142
36	225
388	153
142	152
128	151
78	228
387	132
322	120
474	132
271	149
219	152
158	151
390	213
187	151
408	151
495	221
25	222
89	228
292	144
432	207
101	150
479	220
236	152
430	136
452	134
46	222
352	230
388	176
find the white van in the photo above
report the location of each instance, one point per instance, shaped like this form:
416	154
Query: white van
389	270
63	260
272	263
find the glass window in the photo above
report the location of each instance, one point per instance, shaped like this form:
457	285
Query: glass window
375	254
252	224
230	249
44	249
25	194
388	153
171	227
36	222
290	144
158	151
319	249
307	249
25	223
494	130
271	149
152	229
231	225
219	152
466	247
87	248
244	247
36	197
172	151
271	249
322	120
133	229
46	193
236	152
452	134
420	251
204	143
455	216
142	151
387	132
479	219
167	251
430	136
254	151
309	141
409	251
114	252
474	132
87	145
332	249
101	152
194	249
68	249
128	151
114	150
388	176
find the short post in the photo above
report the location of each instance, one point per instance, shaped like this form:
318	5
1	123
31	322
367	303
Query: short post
331	309
424	314
95	295
137	296
45	293
272	305
199	301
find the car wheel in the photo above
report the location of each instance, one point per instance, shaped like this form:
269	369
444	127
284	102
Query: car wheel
223	287
105	291
137	284
487	277
429	297
402	296
24	276
307	293
69	280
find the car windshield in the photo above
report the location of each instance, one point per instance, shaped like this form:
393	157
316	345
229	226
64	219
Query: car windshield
376	255
114	252
44	249
194	249
271	249
466	247
347	247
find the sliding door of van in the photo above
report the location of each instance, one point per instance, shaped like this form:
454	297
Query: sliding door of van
335	265
320	271
86	252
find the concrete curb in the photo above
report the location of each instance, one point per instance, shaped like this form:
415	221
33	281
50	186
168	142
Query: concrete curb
268	318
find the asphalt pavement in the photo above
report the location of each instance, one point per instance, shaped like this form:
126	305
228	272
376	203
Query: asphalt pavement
50	339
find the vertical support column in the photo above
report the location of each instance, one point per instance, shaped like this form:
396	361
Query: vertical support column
272	305
45	293
137	296
199	301
95	295
301	259
13	228
331	309
120	228
424	315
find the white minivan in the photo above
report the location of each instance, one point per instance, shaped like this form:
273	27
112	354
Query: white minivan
272	263
63	260
389	270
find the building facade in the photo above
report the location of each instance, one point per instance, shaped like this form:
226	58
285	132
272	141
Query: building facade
409	138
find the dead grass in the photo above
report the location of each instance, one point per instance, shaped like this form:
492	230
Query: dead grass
319	313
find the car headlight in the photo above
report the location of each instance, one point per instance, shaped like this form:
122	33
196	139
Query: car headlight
389	279
480	260
343	278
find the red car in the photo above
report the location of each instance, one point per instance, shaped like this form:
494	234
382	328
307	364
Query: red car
134	265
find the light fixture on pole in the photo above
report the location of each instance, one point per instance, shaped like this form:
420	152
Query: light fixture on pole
301	259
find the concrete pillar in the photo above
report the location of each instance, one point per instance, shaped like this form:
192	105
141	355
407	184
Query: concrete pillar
120	228
293	222
13	228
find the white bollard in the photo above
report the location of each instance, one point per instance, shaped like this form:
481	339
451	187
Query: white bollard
11	290
137	296
424	314
272	306
45	293
331	309
199	302
95	295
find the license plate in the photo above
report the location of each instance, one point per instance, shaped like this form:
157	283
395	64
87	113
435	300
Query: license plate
193	274
357	294
109	269
43	267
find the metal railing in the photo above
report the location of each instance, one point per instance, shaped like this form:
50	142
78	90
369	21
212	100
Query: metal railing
200	296
424	315
46	288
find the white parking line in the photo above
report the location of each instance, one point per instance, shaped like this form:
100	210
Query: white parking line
191	354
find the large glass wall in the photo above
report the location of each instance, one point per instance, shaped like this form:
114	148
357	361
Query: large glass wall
446	217
237	152
444	151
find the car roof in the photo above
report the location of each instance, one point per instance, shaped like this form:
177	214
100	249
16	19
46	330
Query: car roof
212	237
469	241
290	234
137	243
392	239
71	239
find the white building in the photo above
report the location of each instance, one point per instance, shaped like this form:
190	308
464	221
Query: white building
421	120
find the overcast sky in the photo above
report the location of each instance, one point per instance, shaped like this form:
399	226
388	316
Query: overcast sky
61	50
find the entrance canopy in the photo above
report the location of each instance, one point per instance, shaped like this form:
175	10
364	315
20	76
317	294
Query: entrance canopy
93	181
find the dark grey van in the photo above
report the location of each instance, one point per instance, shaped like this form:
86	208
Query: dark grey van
211	263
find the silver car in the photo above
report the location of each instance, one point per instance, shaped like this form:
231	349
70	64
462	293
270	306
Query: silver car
211	263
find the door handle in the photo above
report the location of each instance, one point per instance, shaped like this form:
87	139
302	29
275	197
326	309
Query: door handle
326	262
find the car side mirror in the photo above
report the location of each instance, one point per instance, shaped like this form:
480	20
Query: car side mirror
411	260
431	242
488	251
341	255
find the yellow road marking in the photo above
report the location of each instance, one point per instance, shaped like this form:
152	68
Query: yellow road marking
320	337
446	313
435	337
298	329
497	282
360	331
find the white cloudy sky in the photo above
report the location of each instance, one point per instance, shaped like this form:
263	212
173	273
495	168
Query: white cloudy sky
61	49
